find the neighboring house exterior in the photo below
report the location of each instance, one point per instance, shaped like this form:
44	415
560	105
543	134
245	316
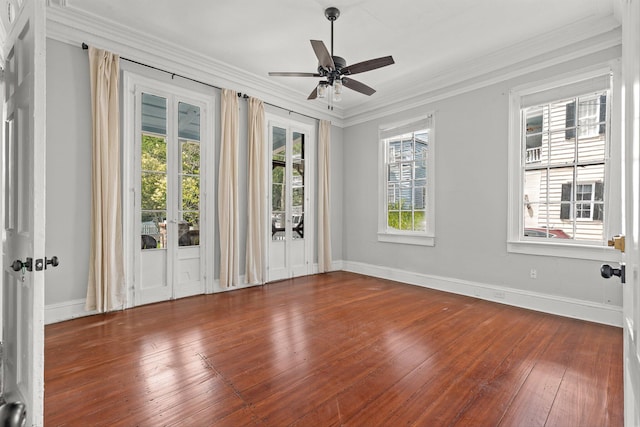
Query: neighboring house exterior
566	147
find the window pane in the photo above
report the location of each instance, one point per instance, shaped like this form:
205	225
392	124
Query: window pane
153	191
189	229
407	149
394	151
394	173
534	120
279	145
190	189
153	153
421	150
277	197
558	181
562	150
152	229
188	121
419	195
190	158
420	221
420	170
154	114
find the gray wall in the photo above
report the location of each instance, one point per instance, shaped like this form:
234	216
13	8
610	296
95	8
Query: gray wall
471	137
69	168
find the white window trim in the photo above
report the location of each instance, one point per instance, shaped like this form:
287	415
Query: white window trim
613	193
426	238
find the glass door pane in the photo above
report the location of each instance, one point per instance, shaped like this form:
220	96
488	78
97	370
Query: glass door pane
189	174
153	175
278	184
297	186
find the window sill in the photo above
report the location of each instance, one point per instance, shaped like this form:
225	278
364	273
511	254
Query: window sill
563	250
407	239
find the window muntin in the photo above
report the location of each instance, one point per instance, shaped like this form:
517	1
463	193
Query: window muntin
563	165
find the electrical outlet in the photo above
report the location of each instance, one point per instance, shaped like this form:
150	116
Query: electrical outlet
533	273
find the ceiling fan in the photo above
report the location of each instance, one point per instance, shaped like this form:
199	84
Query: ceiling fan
334	69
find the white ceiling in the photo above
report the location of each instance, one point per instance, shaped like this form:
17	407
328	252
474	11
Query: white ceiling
429	39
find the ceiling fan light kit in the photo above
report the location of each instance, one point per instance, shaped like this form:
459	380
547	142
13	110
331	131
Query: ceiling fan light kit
333	69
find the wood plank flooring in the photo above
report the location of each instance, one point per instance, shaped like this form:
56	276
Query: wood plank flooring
332	350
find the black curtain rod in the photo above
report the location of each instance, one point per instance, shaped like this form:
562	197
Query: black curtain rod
240	95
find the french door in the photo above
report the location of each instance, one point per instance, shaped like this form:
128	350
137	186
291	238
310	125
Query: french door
290	208
169	231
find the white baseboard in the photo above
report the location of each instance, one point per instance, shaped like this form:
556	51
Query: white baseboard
552	304
54	313
562	306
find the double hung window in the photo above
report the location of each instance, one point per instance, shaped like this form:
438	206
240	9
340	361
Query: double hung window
406	182
561	164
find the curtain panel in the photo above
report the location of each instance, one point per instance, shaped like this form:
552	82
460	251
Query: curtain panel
256	198
324	192
228	218
106	290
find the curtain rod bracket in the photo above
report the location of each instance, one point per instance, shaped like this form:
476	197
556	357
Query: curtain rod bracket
84	46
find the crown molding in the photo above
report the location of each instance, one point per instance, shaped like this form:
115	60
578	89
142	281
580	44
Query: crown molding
72	26
570	42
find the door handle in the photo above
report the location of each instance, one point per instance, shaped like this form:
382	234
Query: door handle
607	272
19	265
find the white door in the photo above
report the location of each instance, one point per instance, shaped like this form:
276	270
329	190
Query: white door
171	138
631	296
24	207
291	214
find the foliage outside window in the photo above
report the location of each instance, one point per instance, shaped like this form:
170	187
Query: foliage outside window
407	182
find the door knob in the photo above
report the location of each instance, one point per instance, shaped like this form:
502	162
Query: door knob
607	272
53	262
18	265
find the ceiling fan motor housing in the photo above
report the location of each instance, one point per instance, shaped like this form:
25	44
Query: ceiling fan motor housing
332	13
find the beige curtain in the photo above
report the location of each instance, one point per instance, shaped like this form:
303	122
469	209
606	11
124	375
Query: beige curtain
324	192
106	289
256	204
228	190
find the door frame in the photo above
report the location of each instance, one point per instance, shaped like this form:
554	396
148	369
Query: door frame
132	84
310	188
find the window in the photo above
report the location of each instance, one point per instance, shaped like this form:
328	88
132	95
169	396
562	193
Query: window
561	163
406	183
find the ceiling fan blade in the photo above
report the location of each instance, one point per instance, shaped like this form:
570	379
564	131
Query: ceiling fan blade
324	58
369	65
313	94
293	74
357	86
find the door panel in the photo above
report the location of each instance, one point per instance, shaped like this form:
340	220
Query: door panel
631	295
23	181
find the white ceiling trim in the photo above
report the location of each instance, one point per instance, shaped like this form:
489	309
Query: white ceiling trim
69	25
443	88
73	26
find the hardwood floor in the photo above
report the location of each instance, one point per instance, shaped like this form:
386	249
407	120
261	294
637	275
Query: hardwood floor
329	350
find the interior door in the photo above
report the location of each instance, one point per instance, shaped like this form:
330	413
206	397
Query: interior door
290	208
169	149
24	209
631	296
